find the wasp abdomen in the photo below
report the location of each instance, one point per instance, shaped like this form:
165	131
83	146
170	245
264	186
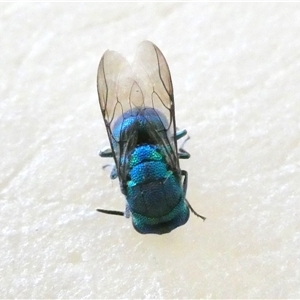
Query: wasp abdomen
154	194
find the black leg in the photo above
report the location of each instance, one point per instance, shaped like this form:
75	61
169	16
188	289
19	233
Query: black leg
111	212
106	153
182	154
185	181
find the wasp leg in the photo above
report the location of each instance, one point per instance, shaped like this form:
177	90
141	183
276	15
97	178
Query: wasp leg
185	180
127	211
106	153
114	172
180	134
126	214
111	212
182	154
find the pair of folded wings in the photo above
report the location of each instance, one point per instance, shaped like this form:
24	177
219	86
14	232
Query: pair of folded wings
144	83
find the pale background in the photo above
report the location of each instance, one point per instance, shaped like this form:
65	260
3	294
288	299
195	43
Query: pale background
236	77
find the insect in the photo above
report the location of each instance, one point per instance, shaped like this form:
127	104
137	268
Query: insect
137	105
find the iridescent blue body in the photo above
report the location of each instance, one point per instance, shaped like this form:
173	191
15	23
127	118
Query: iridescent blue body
138	110
153	190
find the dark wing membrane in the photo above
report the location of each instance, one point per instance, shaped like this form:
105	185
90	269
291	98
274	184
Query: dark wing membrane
152	75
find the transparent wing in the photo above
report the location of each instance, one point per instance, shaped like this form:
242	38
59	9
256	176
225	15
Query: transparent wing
114	82
152	76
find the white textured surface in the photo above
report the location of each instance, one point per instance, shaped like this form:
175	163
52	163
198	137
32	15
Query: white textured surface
236	74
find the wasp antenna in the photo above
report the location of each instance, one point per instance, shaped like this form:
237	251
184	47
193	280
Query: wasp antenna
111	212
194	212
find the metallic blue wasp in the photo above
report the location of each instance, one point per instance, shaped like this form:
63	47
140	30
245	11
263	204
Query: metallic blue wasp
137	105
